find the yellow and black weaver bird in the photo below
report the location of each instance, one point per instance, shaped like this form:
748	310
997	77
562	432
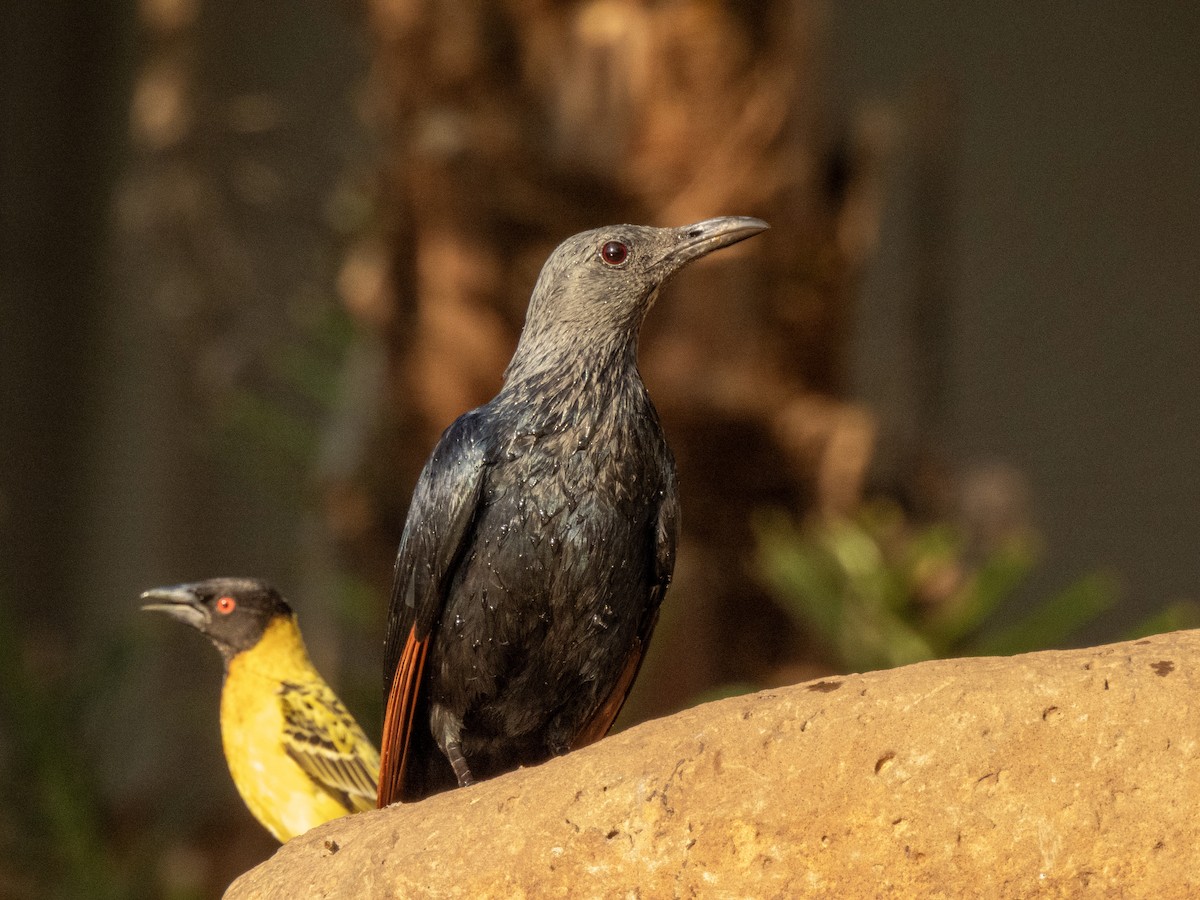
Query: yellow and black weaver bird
296	754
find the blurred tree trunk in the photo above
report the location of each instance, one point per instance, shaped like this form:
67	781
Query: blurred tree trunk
511	125
60	84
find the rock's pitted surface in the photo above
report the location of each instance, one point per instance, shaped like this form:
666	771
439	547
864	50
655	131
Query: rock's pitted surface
1057	774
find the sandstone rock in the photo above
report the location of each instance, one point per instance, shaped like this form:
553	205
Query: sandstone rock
1057	774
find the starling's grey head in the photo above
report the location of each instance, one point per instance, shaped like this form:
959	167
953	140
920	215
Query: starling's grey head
600	283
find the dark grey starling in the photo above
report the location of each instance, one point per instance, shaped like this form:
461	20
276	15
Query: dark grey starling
541	535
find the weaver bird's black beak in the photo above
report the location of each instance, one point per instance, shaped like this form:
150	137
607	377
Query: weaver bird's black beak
694	241
180	602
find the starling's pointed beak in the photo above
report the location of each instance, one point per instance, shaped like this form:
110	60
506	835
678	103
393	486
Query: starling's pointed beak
180	602
694	241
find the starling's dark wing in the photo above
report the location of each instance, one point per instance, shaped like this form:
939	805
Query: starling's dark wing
438	527
322	737
666	531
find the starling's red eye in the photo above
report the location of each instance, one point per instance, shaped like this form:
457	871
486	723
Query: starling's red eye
614	253
226	605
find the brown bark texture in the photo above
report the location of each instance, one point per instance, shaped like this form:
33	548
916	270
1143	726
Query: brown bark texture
1054	774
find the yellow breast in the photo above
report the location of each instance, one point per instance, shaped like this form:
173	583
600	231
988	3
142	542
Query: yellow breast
277	791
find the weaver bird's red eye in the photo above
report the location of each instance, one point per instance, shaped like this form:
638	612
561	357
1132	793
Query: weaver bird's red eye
614	253
226	605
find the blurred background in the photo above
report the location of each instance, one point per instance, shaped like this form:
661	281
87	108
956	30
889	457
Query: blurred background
255	256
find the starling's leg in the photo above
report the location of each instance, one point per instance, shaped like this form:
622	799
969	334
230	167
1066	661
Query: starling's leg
447	728
459	763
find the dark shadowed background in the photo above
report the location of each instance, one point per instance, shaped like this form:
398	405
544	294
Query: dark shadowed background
253	257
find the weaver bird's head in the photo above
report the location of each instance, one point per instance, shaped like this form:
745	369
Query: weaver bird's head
233	612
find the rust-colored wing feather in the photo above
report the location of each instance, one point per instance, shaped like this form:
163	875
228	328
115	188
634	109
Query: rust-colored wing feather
398	719
438	527
601	721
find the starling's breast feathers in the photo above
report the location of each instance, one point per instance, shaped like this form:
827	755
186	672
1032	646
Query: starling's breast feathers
273	702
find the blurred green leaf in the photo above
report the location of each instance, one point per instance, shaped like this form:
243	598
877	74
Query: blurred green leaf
1055	620
1173	617
46	774
806	581
984	591
879	591
725	691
